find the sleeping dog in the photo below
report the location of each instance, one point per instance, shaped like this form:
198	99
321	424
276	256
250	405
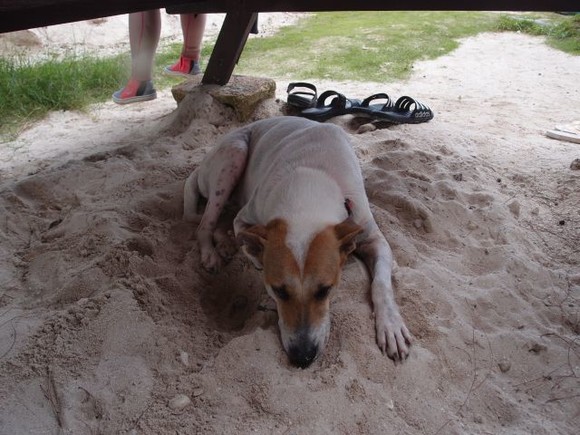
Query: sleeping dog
302	210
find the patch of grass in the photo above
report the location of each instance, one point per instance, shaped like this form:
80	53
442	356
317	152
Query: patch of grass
562	33
29	91
369	46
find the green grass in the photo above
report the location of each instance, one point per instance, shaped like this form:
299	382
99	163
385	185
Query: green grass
366	46
562	33
29	90
369	46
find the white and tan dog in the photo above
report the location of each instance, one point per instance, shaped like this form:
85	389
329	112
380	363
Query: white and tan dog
302	210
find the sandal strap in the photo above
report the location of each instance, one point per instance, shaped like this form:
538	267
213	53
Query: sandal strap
338	101
301	94
379	96
405	104
301	85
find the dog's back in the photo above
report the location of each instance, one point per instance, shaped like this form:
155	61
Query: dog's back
279	146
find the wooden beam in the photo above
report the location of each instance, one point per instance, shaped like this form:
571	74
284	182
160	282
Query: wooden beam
229	46
217	6
27	14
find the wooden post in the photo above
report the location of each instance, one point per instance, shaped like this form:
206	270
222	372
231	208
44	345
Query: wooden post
228	47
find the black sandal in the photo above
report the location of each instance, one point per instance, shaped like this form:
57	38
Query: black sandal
339	105
304	97
369	110
406	110
409	111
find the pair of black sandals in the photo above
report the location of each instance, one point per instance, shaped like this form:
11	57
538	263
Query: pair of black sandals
405	110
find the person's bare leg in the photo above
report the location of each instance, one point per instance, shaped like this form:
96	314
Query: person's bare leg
193	26
144	32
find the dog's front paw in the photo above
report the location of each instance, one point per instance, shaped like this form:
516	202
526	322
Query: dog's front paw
211	260
393	337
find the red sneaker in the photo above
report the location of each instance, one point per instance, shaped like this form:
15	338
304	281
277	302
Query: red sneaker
183	67
135	91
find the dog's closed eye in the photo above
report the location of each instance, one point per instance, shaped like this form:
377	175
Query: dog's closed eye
281	292
322	292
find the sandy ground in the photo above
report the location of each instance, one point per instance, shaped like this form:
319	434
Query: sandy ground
109	325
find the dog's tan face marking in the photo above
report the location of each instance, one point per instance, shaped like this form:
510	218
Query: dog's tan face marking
302	294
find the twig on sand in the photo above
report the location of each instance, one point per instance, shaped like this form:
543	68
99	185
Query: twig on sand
52	397
472	387
13	340
555	399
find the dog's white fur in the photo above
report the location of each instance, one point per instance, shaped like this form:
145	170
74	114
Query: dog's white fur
302	205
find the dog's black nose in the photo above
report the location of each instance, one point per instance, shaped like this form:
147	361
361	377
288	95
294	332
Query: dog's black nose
302	355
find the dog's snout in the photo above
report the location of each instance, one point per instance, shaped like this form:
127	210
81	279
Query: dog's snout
303	354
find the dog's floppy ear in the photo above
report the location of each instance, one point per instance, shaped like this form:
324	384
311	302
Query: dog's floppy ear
252	241
346	232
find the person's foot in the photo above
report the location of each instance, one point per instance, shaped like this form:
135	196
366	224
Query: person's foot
135	91
183	67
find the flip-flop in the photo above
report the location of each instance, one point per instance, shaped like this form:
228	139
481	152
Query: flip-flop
367	109
569	133
339	105
303	97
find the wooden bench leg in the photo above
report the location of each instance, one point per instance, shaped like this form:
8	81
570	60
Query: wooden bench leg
229	46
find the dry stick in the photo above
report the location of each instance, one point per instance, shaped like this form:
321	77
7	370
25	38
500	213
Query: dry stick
136	422
570	343
52	397
14	333
474	373
555	399
540	378
13	341
490	363
472	387
547	377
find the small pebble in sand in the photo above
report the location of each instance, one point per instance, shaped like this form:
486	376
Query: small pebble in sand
537	348
504	365
179	402
575	165
198	392
514	207
365	128
184	358
391	405
471	226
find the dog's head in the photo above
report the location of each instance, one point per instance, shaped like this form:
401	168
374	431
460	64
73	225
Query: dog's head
301	283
